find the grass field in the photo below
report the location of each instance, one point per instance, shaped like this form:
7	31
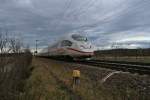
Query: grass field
145	59
52	80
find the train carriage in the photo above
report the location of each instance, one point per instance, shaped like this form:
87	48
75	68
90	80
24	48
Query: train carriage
73	45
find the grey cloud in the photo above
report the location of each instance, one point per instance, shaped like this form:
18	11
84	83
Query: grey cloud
107	20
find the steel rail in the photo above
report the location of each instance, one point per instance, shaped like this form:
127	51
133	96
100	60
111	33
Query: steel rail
132	67
125	67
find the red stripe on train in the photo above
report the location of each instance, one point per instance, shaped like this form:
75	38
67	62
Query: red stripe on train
79	51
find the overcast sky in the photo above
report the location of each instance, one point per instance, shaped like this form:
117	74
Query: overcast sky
105	22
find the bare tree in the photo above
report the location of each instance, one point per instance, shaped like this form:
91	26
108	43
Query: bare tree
15	45
7	44
4	42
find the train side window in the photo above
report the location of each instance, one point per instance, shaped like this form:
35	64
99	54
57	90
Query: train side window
66	43
54	46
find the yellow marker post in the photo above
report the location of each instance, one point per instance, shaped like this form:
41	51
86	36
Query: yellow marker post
76	73
76	77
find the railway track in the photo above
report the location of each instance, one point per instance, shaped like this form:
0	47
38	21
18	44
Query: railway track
141	68
132	67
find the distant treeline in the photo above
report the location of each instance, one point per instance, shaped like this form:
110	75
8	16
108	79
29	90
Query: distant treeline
123	52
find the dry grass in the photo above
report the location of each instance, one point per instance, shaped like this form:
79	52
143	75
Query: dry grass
52	80
14	71
125	58
44	85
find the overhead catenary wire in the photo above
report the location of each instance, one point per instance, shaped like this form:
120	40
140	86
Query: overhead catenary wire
67	6
87	9
83	11
66	9
82	7
102	21
79	10
105	20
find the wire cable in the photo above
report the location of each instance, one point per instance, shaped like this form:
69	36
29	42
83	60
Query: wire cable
105	20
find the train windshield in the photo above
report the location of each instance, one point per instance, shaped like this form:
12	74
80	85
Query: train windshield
66	43
79	38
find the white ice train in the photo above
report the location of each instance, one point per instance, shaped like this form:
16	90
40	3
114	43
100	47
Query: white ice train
72	45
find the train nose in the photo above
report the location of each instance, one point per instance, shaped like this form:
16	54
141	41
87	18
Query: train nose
86	47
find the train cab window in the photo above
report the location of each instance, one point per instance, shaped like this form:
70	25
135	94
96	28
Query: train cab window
79	38
66	43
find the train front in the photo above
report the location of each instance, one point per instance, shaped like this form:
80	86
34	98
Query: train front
82	47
